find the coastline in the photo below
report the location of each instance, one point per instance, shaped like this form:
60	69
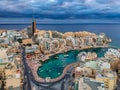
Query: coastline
40	79
48	58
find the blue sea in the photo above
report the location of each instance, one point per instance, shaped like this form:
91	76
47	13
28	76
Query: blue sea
111	30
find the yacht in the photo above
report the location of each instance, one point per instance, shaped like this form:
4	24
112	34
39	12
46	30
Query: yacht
56	57
66	55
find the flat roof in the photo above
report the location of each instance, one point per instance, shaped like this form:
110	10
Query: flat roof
27	41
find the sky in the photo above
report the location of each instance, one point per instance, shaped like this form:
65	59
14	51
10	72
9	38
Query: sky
61	9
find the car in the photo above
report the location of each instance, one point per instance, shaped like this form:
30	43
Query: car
29	72
25	76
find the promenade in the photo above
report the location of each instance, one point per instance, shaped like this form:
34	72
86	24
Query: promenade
42	85
32	76
34	66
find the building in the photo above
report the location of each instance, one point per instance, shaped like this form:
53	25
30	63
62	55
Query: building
48	34
17	37
2	75
34	26
112	54
84	71
109	80
3	33
92	64
3	56
88	84
12	74
31	30
27	42
115	65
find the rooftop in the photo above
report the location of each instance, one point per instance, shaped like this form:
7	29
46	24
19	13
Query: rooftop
27	41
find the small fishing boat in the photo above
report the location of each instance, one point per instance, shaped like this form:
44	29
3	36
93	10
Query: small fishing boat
66	55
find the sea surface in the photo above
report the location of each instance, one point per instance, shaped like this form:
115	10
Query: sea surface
111	30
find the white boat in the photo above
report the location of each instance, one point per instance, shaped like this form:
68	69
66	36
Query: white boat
66	55
56	57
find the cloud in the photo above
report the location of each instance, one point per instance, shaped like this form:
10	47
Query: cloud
60	8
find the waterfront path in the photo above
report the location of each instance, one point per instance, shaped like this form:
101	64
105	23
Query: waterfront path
54	85
39	79
57	85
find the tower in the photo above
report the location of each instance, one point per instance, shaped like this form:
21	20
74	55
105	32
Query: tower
33	26
31	30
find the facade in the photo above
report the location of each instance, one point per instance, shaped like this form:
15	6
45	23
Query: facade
18	37
92	64
33	26
2	75
112	54
109	78
14	75
110	83
3	56
48	34
31	30
88	84
84	71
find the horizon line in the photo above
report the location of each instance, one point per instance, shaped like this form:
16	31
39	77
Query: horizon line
38	23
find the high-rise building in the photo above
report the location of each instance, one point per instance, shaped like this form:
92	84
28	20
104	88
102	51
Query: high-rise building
34	26
31	30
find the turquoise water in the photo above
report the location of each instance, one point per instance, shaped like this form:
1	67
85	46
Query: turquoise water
54	66
1	60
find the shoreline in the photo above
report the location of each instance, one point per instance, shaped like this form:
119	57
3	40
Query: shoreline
40	79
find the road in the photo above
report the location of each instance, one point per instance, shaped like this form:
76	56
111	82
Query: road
26	74
58	85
